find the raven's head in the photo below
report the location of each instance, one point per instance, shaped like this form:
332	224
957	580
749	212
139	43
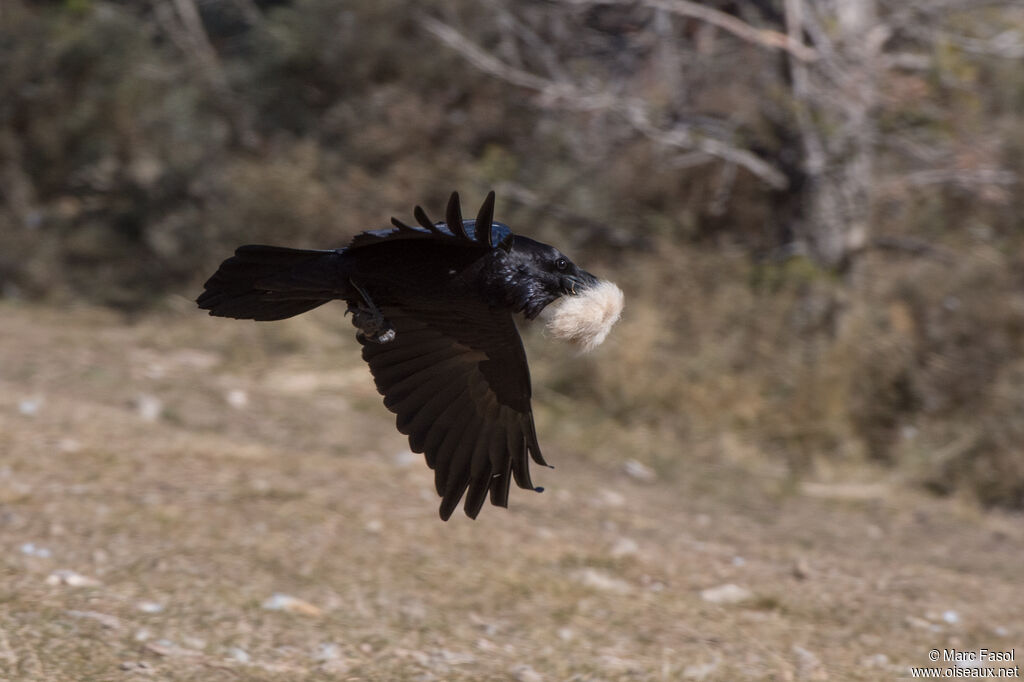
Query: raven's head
537	275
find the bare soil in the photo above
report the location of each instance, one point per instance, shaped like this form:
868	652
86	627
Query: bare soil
162	479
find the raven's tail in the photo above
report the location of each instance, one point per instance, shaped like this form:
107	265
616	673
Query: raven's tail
271	283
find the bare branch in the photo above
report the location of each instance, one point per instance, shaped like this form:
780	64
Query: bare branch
758	36
249	10
568	95
814	148
538	47
907	61
908	245
188	14
482	59
684	137
181	20
831	61
903	14
965	177
1006	45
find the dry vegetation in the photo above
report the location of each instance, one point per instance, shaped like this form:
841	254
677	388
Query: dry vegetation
140	143
133	460
814	213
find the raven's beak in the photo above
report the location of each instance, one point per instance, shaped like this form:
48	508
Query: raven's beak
577	283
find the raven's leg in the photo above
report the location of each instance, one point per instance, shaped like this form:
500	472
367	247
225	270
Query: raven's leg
368	319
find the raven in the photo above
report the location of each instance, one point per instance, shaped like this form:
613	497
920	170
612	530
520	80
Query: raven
433	306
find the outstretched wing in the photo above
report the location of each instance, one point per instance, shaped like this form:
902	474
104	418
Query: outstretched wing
459	383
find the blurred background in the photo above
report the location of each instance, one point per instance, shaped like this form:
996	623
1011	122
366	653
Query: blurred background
813	206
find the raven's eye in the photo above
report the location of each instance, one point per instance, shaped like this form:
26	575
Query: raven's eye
561	264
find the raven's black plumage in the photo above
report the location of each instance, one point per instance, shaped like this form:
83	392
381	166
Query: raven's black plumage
433	304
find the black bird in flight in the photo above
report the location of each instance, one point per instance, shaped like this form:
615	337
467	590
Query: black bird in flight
433	306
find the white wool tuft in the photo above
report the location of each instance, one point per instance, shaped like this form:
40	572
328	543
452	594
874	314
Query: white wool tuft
584	320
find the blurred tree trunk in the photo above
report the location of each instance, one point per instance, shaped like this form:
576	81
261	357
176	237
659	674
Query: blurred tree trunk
835	102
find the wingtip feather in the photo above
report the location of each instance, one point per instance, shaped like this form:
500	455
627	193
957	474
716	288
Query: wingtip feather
453	217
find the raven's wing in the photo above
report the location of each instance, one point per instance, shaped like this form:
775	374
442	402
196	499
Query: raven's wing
459	383
454	231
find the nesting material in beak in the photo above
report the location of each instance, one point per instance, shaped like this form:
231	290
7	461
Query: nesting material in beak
585	319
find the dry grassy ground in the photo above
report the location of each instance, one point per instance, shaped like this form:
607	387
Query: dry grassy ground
187	470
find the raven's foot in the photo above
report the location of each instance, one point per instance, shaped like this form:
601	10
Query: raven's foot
367	318
372	326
